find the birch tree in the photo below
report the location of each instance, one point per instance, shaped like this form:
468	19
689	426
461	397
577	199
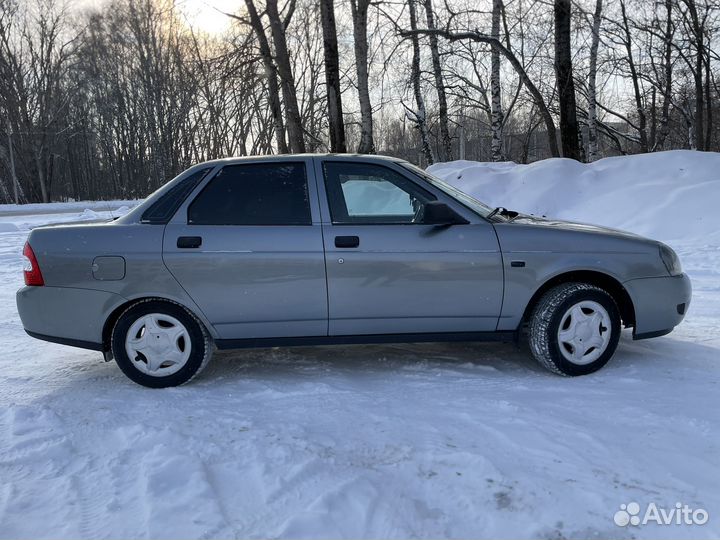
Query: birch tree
419	115
359	12
495	93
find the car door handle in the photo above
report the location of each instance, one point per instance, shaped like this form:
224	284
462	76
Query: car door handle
347	241
188	242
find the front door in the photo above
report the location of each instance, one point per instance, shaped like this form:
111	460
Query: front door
248	250
388	274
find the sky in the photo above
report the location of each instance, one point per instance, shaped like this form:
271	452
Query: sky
204	15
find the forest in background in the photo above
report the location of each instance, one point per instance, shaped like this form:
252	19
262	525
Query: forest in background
111	100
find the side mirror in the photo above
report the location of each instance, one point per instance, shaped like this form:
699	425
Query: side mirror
439	213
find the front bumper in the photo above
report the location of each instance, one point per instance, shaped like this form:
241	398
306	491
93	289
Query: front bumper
660	304
66	315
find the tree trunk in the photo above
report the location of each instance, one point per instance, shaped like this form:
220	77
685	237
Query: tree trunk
445	140
42	179
652	136
565	82
271	77
496	114
708	105
287	82
332	77
420	115
359	9
642	120
592	87
667	83
699	124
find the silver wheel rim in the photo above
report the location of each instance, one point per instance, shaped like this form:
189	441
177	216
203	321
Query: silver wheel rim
584	332
158	344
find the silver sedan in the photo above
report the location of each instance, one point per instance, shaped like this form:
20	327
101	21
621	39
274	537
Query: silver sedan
338	249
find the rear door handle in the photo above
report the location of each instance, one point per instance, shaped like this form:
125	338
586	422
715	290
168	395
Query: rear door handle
347	241
188	242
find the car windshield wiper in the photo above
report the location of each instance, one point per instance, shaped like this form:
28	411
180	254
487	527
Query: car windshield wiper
502	211
499	210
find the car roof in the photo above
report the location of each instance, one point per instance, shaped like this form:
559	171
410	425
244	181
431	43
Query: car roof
290	157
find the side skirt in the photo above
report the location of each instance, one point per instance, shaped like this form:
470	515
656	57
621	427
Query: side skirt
251	343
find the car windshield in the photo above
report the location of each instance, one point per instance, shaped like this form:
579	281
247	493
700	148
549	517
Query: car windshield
474	205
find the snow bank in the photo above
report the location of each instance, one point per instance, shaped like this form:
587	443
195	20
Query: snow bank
8	227
666	195
65	207
15	218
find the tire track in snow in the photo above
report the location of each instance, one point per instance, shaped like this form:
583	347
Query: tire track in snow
91	501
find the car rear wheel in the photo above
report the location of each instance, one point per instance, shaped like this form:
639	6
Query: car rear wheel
160	344
574	329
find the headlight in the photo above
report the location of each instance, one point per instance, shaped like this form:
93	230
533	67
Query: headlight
670	260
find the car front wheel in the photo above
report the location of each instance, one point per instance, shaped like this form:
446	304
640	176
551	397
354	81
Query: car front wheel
574	329
160	344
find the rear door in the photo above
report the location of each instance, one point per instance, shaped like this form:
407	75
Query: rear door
388	274
247	247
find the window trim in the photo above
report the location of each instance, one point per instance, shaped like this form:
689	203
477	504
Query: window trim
212	177
178	202
328	195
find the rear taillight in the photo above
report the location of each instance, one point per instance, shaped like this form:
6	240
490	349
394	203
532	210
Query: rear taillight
31	269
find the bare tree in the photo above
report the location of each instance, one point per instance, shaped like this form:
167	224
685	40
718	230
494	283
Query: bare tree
271	76
535	93
496	103
592	84
419	115
359	10
634	77
565	81
332	77
696	25
445	139
287	82
667	78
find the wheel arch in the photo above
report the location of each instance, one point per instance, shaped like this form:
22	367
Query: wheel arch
592	277
115	314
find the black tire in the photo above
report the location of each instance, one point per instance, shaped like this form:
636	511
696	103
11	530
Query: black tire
199	341
549	313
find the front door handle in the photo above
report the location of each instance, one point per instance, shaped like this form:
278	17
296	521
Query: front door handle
189	242
347	241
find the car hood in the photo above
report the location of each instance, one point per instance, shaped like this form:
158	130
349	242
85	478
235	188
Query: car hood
574	226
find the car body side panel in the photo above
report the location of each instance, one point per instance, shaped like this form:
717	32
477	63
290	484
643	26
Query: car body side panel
556	252
412	278
66	255
254	281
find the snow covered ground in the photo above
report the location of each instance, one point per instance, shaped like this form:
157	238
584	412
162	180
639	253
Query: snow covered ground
466	440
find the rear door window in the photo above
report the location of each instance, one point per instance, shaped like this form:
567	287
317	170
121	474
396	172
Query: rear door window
254	194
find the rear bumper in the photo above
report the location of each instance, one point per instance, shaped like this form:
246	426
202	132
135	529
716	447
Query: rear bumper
660	304
66	315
